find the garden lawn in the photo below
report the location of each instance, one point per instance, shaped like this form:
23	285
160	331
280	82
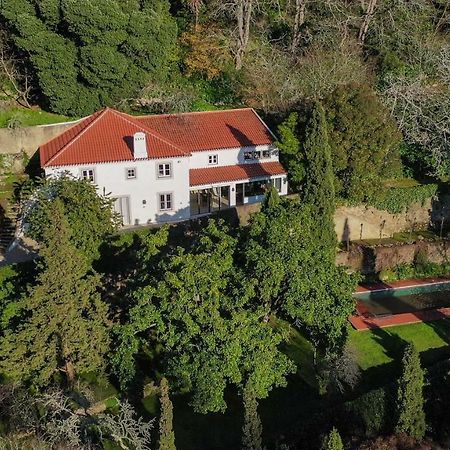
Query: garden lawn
377	347
21	117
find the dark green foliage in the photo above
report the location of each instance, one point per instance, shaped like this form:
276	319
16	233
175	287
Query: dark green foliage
272	199
201	313
371	413
166	434
294	275
364	141
318	189
397	200
291	154
90	216
252	428
86	54
333	441
63	326
410	401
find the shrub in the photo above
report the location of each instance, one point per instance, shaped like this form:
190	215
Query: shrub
397	200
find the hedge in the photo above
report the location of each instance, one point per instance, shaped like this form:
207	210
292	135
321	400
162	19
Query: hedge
398	199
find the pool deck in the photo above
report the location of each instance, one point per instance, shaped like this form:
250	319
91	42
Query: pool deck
363	320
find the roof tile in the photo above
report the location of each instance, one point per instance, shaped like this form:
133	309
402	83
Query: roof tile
222	174
107	135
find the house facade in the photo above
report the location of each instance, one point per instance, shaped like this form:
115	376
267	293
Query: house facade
164	168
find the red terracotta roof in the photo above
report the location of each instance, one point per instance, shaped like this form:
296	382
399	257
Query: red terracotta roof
222	174
212	129
106	136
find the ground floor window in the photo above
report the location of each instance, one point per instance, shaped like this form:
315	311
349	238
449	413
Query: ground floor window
165	202
208	200
255	188
277	183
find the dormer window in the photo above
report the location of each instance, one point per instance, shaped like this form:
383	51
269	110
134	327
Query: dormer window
88	174
164	170
213	159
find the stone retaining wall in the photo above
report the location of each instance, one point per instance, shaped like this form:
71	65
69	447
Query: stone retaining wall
28	139
370	260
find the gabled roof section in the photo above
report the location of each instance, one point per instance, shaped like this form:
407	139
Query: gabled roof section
211	130
106	136
223	174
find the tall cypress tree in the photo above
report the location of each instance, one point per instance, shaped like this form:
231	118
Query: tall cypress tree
318	189
166	434
333	441
252	428
63	328
411	416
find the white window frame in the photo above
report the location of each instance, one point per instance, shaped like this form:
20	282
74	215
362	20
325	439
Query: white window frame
88	169
127	175
165	201
164	164
213	160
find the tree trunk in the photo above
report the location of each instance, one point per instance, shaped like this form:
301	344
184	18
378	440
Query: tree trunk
244	17
366	22
299	20
70	372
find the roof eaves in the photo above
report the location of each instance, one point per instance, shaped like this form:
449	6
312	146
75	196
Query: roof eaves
75	137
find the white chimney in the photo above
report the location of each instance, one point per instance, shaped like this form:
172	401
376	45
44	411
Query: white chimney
139	145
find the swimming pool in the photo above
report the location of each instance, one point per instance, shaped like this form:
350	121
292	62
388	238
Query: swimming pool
391	301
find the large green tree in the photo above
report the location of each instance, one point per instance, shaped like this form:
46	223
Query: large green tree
63	327
90	216
364	141
294	275
202	316
318	189
87	54
410	402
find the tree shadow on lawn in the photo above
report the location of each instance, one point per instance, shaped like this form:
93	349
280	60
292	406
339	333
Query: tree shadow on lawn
376	376
281	413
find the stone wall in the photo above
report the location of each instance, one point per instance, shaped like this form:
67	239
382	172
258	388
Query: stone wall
361	222
373	259
28	139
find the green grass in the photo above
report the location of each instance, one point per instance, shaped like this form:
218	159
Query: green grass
21	117
377	347
401	183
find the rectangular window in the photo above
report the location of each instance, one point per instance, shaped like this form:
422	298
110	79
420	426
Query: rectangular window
213	159
277	183
165	202
266	153
248	155
164	170
88	174
255	188
131	173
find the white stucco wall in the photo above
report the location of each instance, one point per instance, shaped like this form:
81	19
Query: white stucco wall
144	190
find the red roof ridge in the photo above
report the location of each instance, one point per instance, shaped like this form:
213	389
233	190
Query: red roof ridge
188	113
127	117
81	132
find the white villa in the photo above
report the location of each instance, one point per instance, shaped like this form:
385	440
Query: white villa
170	167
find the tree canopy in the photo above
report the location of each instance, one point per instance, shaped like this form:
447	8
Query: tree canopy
63	326
88	54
